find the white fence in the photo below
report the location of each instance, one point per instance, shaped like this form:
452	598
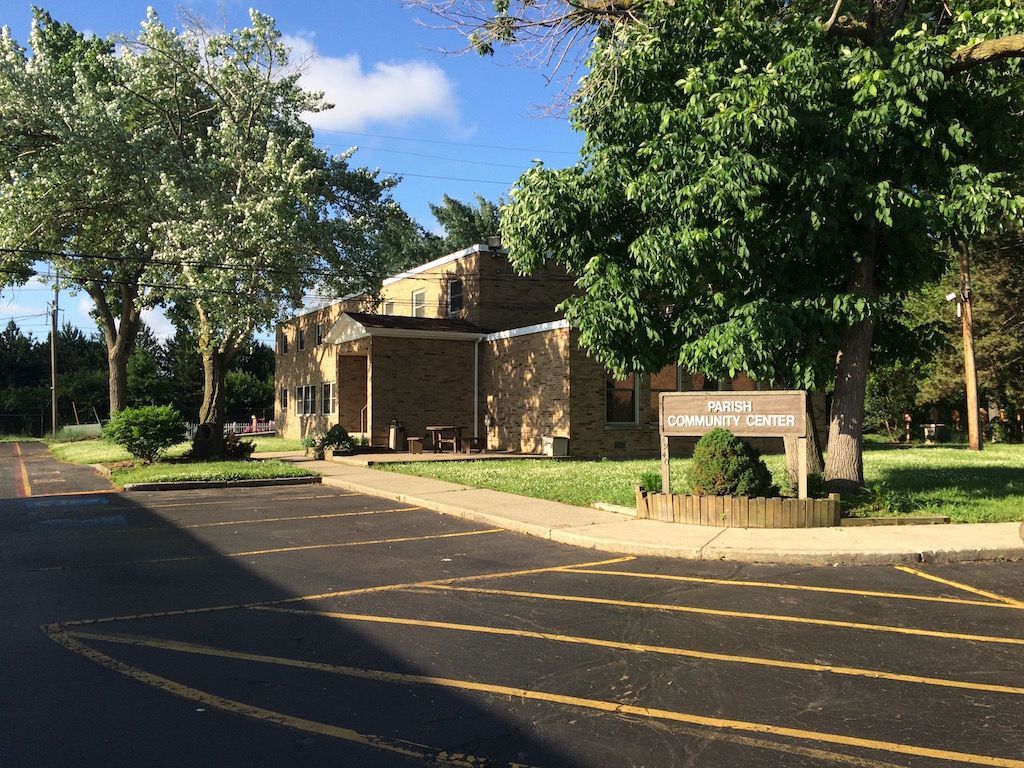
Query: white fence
244	428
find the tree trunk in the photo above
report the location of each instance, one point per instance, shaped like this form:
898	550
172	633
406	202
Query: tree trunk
119	336
844	469
117	367
210	437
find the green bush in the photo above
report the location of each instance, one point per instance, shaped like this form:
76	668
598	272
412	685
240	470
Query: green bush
723	465
650	481
236	448
336	439
146	432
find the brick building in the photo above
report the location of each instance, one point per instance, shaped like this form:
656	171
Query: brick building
464	340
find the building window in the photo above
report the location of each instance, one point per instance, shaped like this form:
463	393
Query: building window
284	342
305	400
284	399
665	380
302	339
328	397
389	307
319	334
454	296
620	400
419	303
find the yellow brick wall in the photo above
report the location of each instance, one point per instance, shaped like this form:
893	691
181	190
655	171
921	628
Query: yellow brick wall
525	389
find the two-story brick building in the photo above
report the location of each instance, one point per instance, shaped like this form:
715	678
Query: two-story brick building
464	340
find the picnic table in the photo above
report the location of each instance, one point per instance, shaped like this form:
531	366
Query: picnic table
445	436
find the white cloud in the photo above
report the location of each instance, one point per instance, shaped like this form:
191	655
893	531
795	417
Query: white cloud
385	92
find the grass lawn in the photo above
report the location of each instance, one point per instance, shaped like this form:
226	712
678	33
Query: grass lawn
208	470
97	451
267	444
920	481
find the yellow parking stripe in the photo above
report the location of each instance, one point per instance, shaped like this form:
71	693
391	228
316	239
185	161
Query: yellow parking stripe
662	649
300	517
795	587
958	585
618	708
428	755
324	595
279	550
242	501
735	614
22	486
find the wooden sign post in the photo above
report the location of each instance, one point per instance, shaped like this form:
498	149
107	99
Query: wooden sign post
746	414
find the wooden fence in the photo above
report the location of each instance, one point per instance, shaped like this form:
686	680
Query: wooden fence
738	511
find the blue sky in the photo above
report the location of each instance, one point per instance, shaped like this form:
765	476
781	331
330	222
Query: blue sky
455	125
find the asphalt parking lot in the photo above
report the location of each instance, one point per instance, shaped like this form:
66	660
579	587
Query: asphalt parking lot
306	626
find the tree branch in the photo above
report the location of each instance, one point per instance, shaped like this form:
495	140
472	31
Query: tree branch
987	51
834	17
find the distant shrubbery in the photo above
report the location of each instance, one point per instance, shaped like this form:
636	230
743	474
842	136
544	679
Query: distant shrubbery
146	432
723	465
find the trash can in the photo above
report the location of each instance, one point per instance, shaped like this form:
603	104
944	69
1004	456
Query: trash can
555	446
396	436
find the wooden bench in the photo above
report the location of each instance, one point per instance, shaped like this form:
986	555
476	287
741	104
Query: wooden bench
472	444
415	444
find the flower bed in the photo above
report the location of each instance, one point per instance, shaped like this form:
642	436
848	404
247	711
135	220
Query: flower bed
738	511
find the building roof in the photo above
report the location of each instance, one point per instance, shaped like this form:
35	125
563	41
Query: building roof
368	320
359	325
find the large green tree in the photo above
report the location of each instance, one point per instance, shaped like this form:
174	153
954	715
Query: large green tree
80	157
254	213
761	182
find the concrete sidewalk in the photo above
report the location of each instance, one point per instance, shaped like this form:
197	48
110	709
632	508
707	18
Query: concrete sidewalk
623	534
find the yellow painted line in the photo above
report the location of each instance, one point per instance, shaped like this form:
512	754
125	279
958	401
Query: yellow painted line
428	755
614	707
300	517
76	493
242	501
279	550
662	649
23	488
736	614
324	595
794	587
1008	601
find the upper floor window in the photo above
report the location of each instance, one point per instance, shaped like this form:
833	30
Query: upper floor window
620	400
302	339
419	303
319	334
389	307
454	296
284	342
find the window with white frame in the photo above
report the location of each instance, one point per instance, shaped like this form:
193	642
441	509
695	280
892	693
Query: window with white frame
454	296
620	400
305	400
419	303
328	397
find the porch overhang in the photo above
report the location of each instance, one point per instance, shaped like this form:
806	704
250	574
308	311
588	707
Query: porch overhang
352	326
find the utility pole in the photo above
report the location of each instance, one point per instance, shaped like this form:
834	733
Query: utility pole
53	356
970	372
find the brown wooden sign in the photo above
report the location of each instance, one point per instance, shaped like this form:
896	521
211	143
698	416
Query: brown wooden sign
745	414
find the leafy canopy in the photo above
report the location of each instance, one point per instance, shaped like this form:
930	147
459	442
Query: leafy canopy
740	160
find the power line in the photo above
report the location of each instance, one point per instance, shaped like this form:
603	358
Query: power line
517	166
450	143
448	178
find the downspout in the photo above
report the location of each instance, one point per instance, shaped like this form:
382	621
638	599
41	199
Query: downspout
476	388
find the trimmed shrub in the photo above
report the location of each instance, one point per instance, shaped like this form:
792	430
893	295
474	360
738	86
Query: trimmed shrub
146	432
336	438
650	481
723	465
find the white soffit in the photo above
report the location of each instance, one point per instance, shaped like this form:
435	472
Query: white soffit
527	330
345	329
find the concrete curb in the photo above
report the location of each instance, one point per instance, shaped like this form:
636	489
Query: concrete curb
618	534
190	485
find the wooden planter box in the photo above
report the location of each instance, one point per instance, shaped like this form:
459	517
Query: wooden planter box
738	511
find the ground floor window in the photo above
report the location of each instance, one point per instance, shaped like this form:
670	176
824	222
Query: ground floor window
620	400
305	400
329	397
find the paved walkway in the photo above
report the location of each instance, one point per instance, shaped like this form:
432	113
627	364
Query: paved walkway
612	532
